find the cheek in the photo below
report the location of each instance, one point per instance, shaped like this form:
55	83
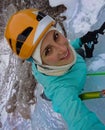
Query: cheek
50	60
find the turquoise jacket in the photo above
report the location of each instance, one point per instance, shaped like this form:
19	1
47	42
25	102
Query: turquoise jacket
63	92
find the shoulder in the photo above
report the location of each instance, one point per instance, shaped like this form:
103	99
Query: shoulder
76	43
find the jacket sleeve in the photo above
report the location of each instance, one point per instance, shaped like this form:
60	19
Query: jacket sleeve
76	43
73	110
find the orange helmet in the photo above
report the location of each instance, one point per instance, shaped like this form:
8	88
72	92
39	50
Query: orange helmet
25	30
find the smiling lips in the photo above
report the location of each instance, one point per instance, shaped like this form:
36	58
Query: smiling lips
67	55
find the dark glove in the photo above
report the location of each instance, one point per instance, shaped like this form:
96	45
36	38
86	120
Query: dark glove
89	37
89	47
102	29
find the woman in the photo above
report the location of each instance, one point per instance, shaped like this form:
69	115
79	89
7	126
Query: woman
55	64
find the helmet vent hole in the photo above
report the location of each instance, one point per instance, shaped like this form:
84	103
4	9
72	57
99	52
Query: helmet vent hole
22	37
26	32
40	16
10	43
18	46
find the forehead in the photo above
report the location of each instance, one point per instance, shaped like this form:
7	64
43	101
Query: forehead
48	35
47	38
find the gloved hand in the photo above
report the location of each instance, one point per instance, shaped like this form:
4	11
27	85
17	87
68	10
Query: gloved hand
89	37
89	47
89	40
102	29
103	93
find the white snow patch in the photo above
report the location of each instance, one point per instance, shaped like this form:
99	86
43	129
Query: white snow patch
88	15
85	17
98	63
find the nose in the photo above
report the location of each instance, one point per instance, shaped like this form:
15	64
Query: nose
61	49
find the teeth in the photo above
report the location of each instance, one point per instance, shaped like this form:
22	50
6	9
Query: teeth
66	54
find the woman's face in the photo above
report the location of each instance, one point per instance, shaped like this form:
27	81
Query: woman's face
55	50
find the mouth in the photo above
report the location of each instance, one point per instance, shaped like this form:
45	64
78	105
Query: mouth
67	55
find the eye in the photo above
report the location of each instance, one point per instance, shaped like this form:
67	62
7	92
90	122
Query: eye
48	50
56	36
